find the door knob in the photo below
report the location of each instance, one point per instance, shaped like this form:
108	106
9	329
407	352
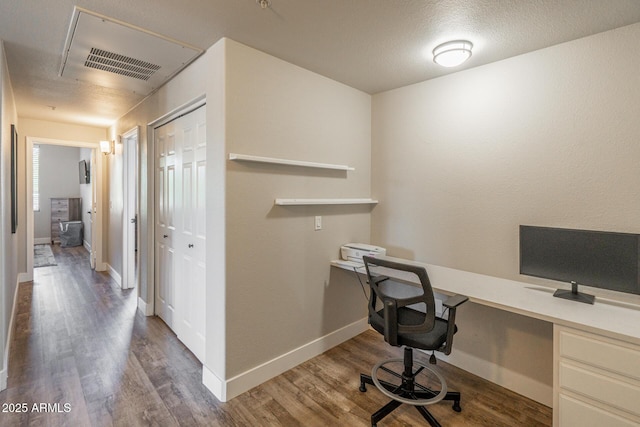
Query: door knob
165	236
133	221
190	245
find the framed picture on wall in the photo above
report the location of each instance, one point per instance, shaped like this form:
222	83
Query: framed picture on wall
14	179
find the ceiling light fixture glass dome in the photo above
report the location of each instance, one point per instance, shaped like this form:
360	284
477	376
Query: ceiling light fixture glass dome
453	53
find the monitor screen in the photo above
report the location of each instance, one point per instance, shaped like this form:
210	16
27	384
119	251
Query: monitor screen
600	259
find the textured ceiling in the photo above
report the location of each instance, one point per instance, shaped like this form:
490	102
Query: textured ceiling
372	45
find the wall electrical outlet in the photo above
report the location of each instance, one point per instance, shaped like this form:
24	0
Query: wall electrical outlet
318	223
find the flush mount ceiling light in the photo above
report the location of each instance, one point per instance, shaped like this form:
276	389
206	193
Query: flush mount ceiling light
453	53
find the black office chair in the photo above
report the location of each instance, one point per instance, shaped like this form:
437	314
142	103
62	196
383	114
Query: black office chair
408	321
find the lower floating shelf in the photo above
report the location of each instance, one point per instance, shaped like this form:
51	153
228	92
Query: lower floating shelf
299	202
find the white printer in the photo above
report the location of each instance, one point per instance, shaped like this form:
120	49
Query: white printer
355	251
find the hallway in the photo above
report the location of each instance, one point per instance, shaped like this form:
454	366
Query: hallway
84	356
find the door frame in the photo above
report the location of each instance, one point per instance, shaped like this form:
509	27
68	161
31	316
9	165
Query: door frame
98	212
130	186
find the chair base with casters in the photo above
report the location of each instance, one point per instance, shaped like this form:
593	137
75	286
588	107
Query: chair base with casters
409	391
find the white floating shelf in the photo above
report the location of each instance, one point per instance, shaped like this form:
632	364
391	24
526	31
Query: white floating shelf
299	202
259	159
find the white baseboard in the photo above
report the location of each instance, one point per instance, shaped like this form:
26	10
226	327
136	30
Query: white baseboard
86	245
146	309
4	373
3	379
114	274
24	277
42	241
214	384
227	390
514	381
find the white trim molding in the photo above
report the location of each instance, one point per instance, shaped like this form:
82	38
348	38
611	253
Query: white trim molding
214	384
146	309
114	274
4	373
226	390
507	378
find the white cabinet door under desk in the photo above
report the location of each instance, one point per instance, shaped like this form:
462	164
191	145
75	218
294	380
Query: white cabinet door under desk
596	380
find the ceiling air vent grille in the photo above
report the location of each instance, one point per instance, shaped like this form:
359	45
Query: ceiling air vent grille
120	64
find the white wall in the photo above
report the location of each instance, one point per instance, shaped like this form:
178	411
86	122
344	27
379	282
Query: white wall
281	291
58	178
547	138
8	241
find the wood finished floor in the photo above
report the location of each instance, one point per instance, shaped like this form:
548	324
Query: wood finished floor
79	340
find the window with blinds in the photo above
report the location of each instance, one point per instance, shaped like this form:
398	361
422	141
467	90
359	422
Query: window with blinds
36	178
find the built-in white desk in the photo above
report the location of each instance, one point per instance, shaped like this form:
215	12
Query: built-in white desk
596	347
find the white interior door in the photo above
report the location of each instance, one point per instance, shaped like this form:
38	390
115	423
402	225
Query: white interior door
92	209
165	226
181	227
191	231
130	217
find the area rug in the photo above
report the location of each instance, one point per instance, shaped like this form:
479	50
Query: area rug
43	256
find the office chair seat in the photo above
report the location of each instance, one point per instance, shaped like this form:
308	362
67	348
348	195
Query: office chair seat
431	340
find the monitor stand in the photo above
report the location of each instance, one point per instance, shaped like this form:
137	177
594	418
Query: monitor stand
574	295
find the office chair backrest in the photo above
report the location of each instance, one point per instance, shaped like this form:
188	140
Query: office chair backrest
378	278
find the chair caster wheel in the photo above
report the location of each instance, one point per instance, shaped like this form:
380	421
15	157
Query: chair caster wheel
456	407
363	388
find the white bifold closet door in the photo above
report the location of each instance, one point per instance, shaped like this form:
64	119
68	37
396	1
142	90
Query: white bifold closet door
180	227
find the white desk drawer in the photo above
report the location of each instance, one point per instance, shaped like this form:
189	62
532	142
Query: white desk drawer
612	355
574	412
614	392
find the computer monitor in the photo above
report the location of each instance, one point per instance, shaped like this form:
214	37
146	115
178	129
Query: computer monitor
601	259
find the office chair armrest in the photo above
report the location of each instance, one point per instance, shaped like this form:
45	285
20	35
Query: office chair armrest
452	303
391	321
455	301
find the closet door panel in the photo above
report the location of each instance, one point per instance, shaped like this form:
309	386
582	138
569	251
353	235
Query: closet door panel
181	210
165	304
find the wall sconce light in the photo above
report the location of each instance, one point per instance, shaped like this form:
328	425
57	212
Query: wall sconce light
453	53
106	147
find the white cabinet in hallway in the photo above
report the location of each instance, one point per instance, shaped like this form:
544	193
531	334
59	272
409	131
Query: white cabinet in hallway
180	227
